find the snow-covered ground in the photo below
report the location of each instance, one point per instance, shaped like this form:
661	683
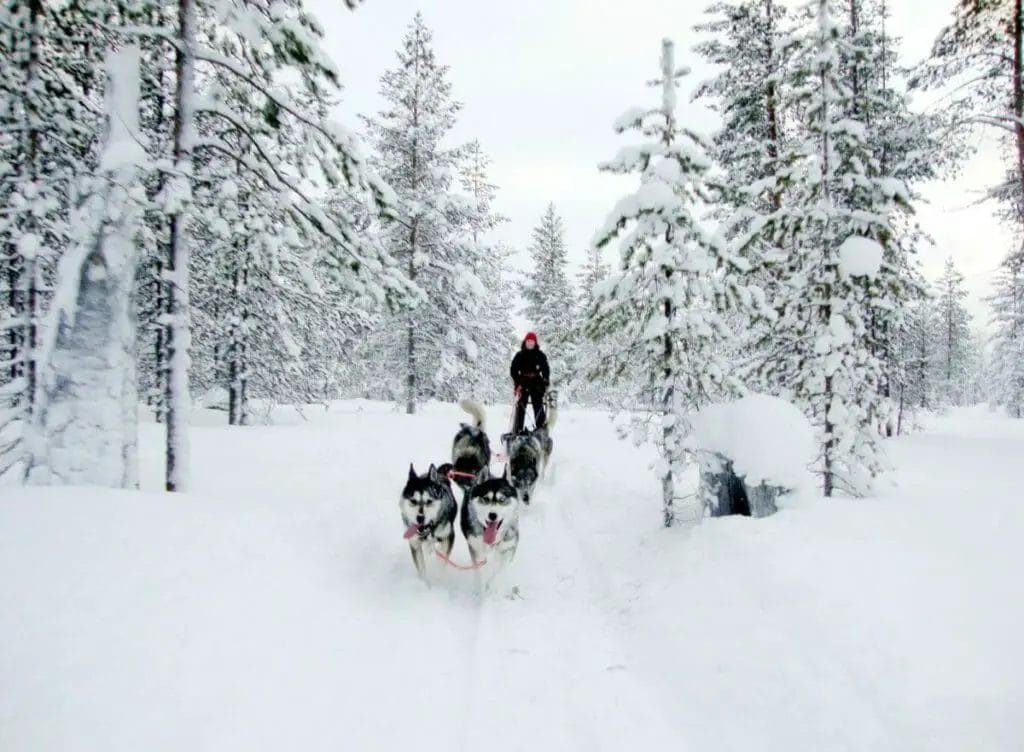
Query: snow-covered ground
275	608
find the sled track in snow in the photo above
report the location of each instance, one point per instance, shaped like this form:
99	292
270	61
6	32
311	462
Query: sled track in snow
547	670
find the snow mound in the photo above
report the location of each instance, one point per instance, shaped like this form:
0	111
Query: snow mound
860	257
768	439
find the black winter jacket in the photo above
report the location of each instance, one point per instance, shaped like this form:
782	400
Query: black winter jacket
530	368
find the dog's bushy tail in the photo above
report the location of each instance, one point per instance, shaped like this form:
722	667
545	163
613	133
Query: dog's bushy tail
475	410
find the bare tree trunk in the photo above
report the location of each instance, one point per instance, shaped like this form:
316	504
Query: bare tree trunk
826	313
1018	96
668	430
772	104
899	415
178	403
668	406
23	270
410	394
922	365
160	344
31	270
159	299
237	349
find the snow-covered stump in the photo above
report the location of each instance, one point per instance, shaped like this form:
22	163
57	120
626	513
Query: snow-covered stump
85	427
750	452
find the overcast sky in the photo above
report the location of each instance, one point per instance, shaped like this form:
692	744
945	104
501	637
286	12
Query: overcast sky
542	80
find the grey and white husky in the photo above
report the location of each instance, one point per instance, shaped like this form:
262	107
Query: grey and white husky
428	513
471	449
528	454
490	522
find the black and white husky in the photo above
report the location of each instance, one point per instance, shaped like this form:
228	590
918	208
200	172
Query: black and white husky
528	454
490	522
428	513
471	449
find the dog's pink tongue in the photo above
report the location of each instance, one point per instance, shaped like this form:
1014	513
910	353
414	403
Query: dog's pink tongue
412	530
491	533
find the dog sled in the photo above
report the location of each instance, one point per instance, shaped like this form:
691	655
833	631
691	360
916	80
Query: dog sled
489	514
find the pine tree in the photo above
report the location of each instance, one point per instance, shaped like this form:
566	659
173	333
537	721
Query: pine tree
1007	367
493	330
907	149
546	290
977	369
664	302
594	272
269	136
979	59
549	297
835	229
589	355
955	332
431	347
920	355
747	37
176	199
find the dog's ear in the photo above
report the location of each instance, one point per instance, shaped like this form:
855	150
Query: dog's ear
433	474
412	472
484	474
506	474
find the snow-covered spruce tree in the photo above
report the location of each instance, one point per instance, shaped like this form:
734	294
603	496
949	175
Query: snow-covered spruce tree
665	301
594	271
1007	364
835	228
84	422
747	39
548	293
271	319
749	42
48	127
493	333
954	334
546	288
588	354
907	147
430	344
975	388
920	354
979	60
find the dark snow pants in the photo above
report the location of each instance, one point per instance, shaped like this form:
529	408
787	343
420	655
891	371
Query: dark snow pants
535	394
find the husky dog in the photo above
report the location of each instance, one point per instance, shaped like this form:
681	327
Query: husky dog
490	521
471	449
428	513
528	453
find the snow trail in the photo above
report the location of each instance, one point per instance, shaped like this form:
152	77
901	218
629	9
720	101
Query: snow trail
277	607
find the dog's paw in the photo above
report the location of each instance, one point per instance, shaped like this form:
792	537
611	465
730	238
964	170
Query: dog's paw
514	594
